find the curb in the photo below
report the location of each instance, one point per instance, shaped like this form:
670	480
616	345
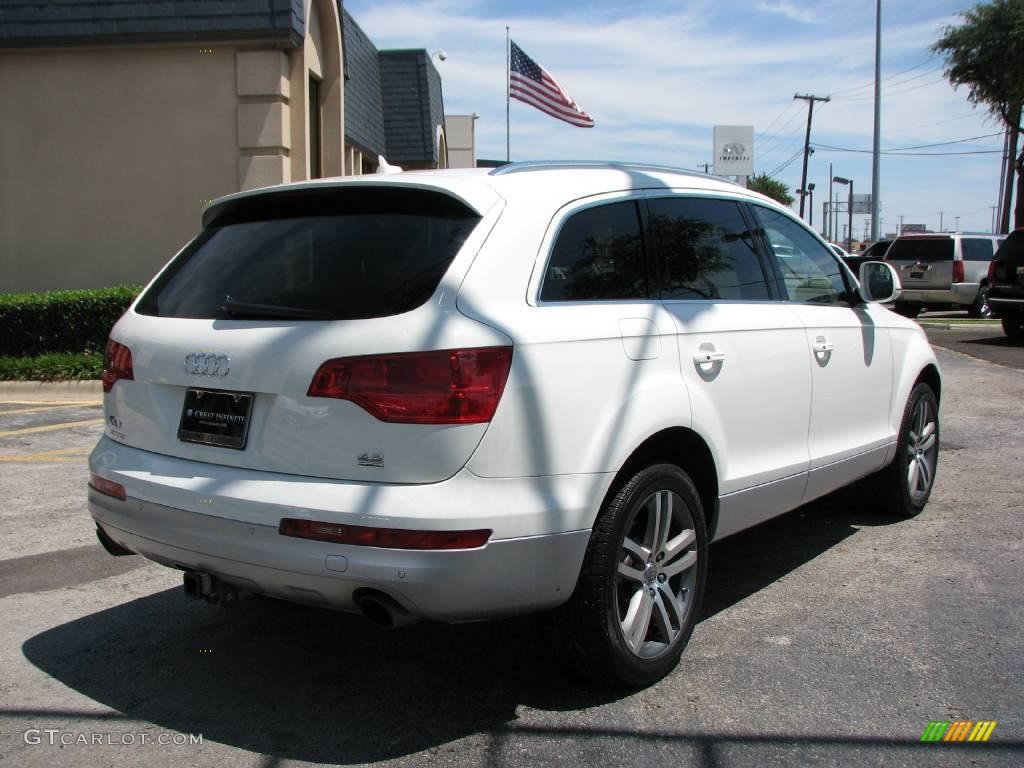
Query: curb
47	391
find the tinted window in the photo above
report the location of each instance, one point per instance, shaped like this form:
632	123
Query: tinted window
976	249
921	249
598	255
810	271
348	254
707	250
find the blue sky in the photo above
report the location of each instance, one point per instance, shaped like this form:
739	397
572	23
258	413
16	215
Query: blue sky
657	76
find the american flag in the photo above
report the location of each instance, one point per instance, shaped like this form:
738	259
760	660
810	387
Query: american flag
530	83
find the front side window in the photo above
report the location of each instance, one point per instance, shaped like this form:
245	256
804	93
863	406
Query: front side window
707	250
810	272
976	249
598	256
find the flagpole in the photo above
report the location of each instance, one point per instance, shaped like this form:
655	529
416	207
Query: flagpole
508	97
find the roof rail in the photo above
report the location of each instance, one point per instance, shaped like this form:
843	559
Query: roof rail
541	165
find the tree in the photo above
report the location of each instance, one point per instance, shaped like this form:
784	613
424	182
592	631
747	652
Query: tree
986	53
773	188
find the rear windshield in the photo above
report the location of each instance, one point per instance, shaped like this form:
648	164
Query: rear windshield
921	249
340	254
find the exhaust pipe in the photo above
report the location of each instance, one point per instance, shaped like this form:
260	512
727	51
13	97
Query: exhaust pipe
205	586
383	610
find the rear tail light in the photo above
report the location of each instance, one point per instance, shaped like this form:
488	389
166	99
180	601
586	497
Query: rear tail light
992	267
450	386
107	487
958	271
117	364
388	538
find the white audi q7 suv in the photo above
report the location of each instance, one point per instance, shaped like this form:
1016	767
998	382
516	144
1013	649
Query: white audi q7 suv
465	394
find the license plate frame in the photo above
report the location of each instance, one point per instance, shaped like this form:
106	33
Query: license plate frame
225	415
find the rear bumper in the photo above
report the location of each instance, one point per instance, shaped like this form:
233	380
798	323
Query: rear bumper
958	293
224	521
1004	307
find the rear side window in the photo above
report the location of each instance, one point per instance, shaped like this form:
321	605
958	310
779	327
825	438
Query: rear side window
921	249
976	249
598	256
810	271
340	254
707	250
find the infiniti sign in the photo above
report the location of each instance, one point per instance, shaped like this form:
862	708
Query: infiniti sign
205	364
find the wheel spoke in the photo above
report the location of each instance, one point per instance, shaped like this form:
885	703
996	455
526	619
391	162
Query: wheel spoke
679	544
636	551
632	574
912	475
638	619
928	442
663	620
672	602
684	563
664	520
925	474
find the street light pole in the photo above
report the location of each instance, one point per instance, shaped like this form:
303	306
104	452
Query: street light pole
941	214
849	208
876	207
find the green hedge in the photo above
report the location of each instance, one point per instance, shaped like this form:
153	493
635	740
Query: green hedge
34	324
55	367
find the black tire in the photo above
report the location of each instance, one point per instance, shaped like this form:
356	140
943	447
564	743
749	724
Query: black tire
892	485
907	309
981	307
1013	327
620	579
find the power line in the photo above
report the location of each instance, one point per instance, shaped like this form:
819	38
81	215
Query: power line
918	146
788	163
897	93
887	77
911	79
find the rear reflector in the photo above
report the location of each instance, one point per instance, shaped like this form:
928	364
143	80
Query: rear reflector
388	538
117	364
448	386
107	487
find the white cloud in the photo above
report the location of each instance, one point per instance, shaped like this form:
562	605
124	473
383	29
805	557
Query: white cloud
790	11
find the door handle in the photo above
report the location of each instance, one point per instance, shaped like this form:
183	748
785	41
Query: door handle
822	345
703	358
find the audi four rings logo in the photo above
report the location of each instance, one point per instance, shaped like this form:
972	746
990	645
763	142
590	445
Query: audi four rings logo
205	364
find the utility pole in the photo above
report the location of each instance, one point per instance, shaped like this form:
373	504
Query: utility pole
900	231
807	139
941	214
876	150
956	228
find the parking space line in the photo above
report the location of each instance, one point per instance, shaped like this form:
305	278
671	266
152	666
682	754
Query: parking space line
50	427
47	408
52	403
65	455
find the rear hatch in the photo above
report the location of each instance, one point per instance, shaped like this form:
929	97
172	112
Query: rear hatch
228	344
923	263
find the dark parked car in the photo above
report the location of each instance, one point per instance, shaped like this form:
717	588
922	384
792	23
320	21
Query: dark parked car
1006	285
874	252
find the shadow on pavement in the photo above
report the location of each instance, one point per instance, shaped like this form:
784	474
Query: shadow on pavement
305	684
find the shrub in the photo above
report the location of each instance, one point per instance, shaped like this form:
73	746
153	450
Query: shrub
37	324
52	367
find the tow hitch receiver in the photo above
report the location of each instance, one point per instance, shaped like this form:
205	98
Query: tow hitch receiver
208	587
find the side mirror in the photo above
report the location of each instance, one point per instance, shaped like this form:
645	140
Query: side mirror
879	282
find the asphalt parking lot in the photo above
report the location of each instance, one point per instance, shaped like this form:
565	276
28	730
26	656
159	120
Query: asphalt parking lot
831	635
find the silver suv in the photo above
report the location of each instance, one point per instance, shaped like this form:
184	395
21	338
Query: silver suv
943	270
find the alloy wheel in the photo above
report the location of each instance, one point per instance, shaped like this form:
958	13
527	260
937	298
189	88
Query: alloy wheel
654	585
922	451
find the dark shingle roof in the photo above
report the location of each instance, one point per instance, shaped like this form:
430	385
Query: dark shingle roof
413	109
364	123
53	23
